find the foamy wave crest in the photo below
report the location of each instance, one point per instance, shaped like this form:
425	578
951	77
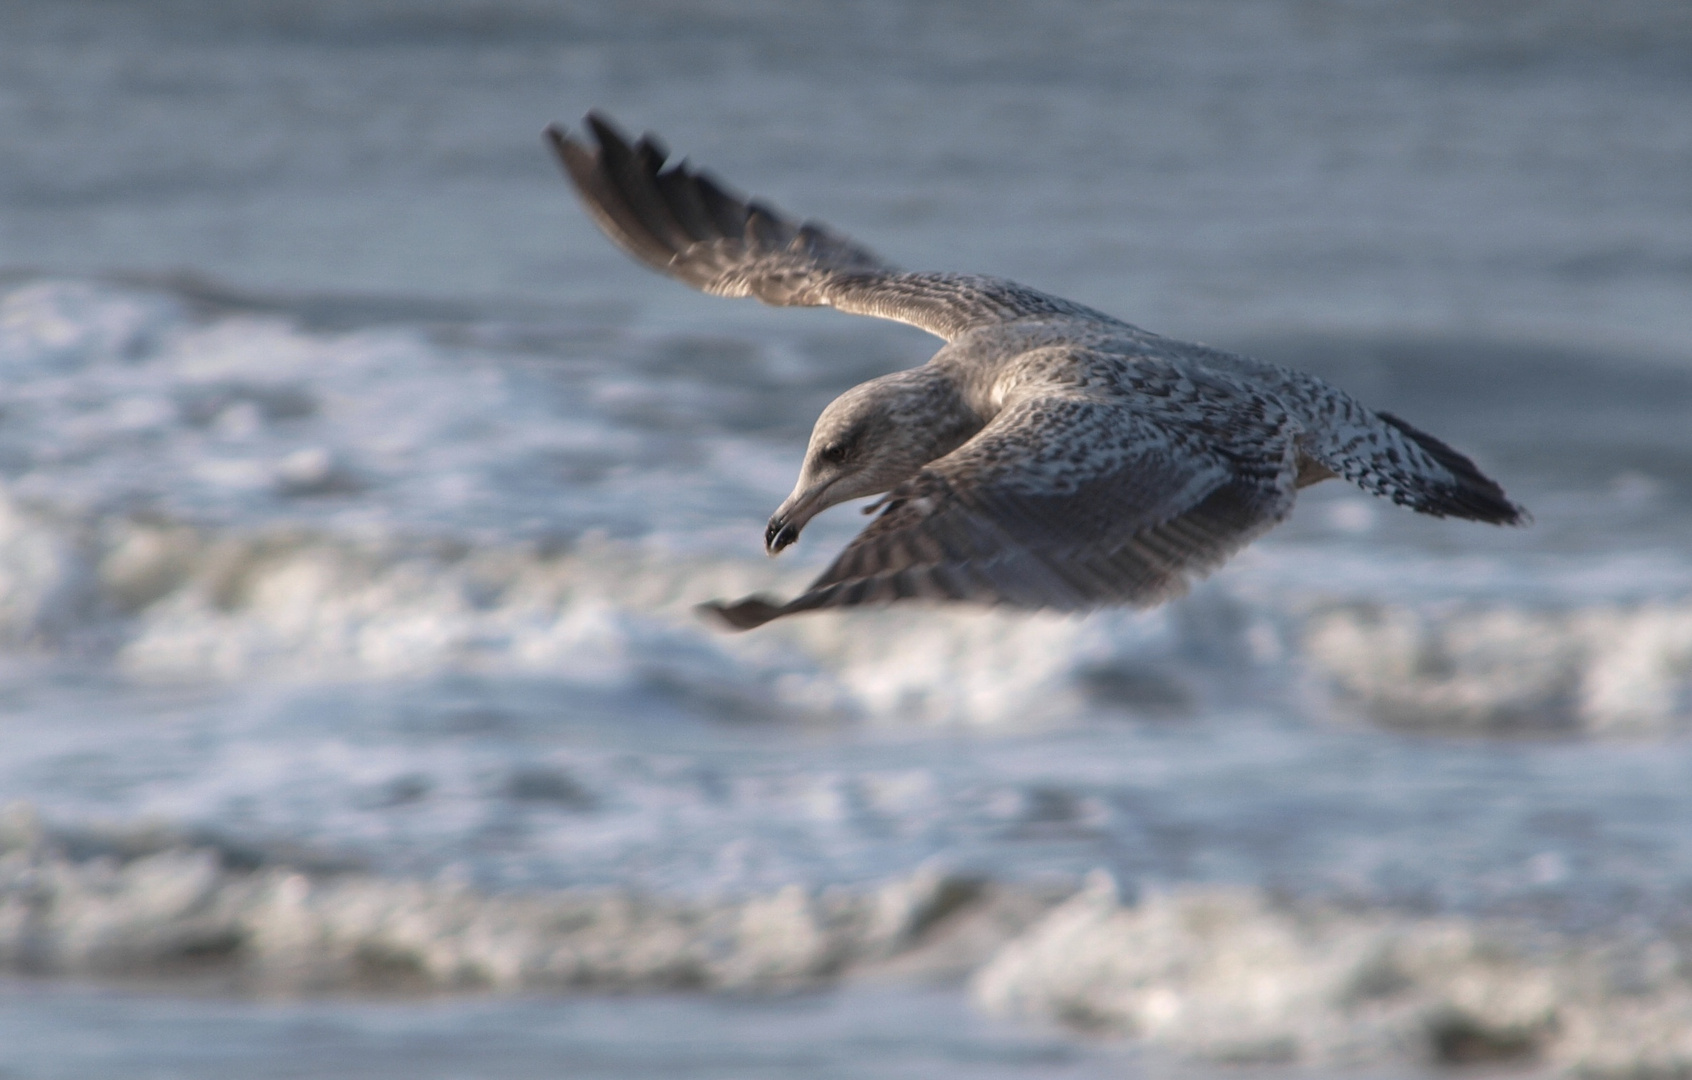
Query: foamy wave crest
1231	975
1599	669
1218	974
47	588
60	325
150	906
177	602
174	601
613	616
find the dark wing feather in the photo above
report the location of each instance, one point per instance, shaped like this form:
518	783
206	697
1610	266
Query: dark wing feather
1464	491
681	221
1063	503
1377	451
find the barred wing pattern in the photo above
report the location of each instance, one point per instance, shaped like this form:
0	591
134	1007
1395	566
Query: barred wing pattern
682	222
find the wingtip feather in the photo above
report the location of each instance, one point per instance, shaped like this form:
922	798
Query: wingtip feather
604	129
563	146
1475	496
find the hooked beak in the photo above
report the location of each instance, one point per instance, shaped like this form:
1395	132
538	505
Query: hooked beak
780	533
792	515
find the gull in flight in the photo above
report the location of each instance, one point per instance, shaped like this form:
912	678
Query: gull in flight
1049	455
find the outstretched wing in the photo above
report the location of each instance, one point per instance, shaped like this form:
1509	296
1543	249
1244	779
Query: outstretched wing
1435	479
1068	503
1377	451
682	222
1386	456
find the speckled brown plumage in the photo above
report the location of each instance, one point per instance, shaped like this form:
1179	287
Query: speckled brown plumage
1049	455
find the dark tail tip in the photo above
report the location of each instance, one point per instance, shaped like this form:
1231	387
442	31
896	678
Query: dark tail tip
747	614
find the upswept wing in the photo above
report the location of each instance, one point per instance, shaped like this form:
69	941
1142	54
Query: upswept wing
1377	451
1388	457
682	222
1063	502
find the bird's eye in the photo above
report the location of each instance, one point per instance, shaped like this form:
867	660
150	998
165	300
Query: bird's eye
844	446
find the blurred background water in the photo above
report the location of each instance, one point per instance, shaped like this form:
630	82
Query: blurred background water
354	493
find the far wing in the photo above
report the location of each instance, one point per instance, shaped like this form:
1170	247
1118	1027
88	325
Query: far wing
1377	451
680	221
1065	503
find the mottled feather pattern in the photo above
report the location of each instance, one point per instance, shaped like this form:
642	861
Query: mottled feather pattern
1093	462
1069	500
1376	451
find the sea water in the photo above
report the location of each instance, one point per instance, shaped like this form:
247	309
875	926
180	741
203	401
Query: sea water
355	494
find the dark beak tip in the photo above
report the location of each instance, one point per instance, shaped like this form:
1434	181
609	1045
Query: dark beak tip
779	535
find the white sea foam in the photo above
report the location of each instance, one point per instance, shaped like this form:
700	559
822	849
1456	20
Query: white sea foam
191	604
145	906
1490	668
46	587
184	603
1233	975
1219	974
120	399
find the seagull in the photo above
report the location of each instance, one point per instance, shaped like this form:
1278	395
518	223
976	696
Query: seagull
1049	456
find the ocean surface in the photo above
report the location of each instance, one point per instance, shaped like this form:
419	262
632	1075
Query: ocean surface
355	494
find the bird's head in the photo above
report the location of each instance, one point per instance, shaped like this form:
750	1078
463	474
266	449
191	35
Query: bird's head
868	440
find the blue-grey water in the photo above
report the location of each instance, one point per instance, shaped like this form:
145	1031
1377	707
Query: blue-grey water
354	493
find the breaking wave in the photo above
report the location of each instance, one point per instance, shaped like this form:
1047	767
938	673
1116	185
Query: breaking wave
164	599
1596	669
150	905
1231	975
1239	976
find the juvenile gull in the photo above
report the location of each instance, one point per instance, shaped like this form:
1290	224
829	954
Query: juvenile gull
1049	455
